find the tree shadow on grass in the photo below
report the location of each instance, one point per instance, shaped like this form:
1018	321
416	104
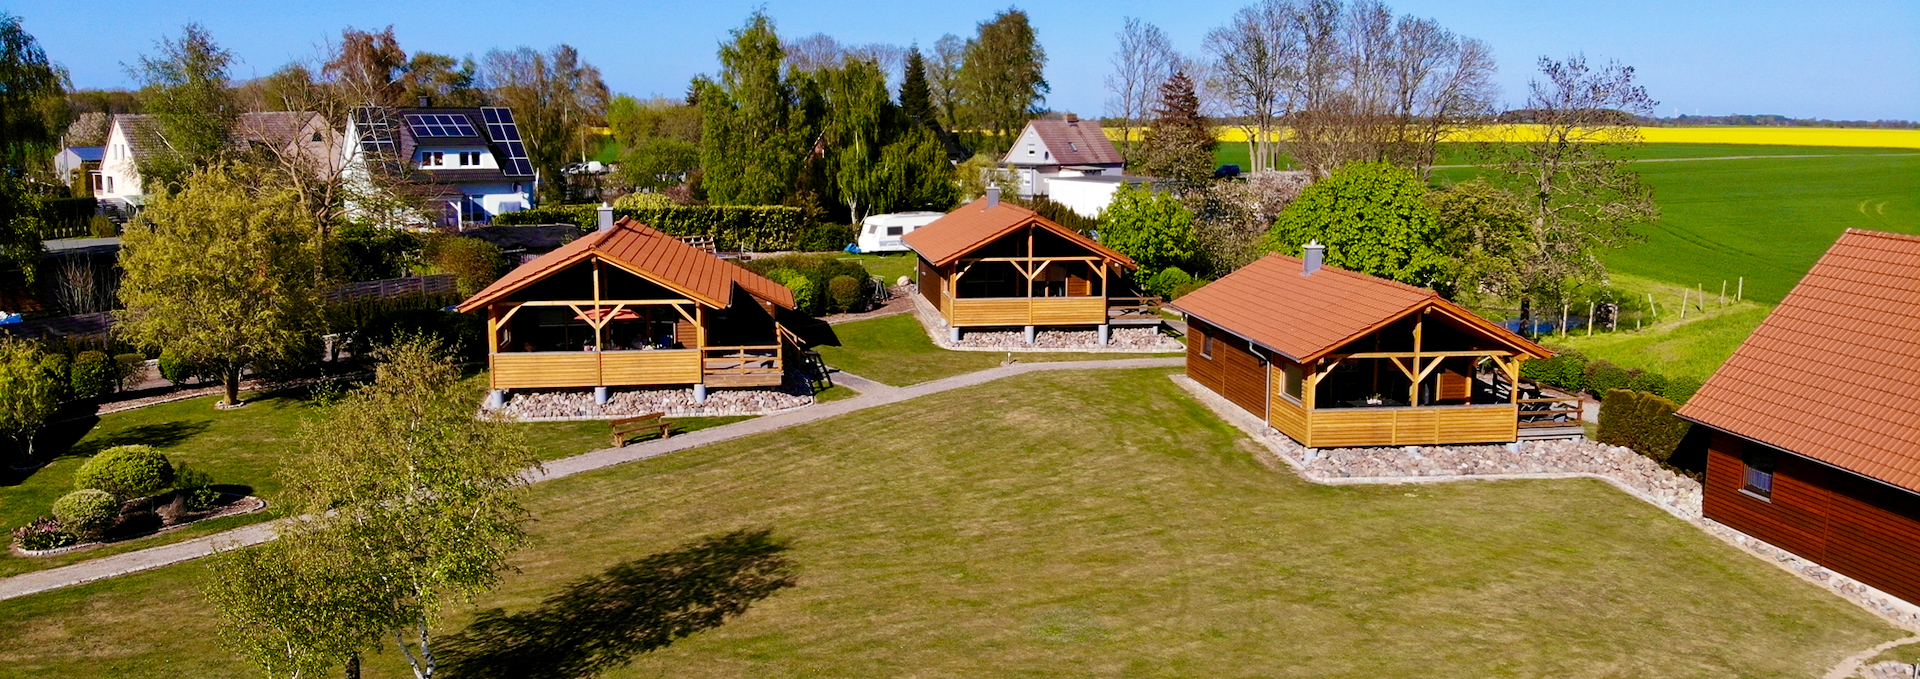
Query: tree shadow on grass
602	622
69	439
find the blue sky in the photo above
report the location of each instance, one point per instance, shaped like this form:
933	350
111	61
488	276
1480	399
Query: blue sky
1850	60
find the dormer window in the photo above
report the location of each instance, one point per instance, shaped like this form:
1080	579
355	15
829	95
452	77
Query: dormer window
469	158
432	159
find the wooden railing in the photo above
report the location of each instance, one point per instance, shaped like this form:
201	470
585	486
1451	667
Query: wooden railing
1538	413
741	361
1134	306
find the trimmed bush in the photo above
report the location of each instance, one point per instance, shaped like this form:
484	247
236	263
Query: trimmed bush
1182	289
131	369
805	296
1603	376
126	472
1680	389
196	488
1652	383
1641	421
824	237
92	375
846	292
465	334
818	269
1567	371
1169	279
474	263
762	228
87	514
643	201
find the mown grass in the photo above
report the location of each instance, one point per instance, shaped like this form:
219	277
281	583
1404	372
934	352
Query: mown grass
1665	343
1089	524
240	448
895	350
889	267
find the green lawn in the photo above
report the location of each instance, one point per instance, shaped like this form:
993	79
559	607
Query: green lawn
240	448
1090	524
895	350
1466	154
889	266
1693	347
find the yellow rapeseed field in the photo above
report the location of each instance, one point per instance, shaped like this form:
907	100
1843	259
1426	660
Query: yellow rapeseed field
1763	136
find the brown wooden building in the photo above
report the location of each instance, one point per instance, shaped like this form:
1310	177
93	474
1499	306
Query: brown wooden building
992	264
1816	418
631	306
1334	358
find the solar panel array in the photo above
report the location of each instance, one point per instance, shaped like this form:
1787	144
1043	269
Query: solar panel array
376	131
440	125
503	131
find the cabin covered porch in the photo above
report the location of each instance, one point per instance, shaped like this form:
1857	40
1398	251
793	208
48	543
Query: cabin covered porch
597	324
1029	277
1428	378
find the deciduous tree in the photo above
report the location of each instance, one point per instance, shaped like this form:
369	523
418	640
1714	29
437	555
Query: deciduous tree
29	82
187	90
1152	227
555	97
1485	230
1372	217
1573	173
750	147
29	393
1001	77
221	273
1142	63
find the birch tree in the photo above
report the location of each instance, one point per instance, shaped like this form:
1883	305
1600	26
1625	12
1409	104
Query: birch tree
1252	60
1145	59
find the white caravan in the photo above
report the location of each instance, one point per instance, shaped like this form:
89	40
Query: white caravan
882	233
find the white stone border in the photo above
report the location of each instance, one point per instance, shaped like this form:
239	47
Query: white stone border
1900	613
667	413
257	505
935	325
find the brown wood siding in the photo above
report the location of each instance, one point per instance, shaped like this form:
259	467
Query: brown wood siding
1856	526
1284	414
685	334
1423	426
1200	367
930	281
1233	372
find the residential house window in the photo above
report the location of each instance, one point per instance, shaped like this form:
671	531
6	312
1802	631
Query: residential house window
1760	462
432	159
469	158
109	185
1206	346
316	136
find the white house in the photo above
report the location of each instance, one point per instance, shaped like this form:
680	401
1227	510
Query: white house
1089	195
1070	147
471	162
132	137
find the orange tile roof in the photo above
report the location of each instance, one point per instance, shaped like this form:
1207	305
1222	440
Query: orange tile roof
1833	374
1307	317
650	254
973	225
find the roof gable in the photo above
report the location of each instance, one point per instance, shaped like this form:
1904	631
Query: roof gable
1833	373
1076	142
976	224
647	253
1308	316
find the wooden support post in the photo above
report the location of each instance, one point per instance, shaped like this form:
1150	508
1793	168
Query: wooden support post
1413	390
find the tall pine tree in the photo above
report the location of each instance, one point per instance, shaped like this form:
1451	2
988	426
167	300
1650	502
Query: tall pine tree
1179	144
916	96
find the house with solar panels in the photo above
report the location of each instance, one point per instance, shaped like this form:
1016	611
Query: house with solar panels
470	164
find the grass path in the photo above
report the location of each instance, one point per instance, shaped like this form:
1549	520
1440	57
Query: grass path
1090	523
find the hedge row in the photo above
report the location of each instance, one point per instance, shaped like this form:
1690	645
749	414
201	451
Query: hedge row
1641	421
766	228
1573	372
821	283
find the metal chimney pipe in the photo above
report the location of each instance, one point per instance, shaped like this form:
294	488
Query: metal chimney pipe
993	196
1312	255
605	213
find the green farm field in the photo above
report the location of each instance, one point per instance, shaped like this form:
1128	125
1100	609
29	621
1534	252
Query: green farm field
1077	524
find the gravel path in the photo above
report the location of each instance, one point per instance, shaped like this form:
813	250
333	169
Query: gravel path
872	395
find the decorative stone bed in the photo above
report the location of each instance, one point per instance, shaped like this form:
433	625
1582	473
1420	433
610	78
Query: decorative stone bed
236	506
1122	339
1570	458
564	405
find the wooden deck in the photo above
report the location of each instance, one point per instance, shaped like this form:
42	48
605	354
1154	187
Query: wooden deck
1022	311
712	366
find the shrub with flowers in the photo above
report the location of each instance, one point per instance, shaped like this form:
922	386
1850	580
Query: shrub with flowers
42	534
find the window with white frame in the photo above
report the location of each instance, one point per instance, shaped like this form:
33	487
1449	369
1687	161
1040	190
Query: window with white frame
432	159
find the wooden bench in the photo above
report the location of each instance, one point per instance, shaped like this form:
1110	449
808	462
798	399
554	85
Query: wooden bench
622	428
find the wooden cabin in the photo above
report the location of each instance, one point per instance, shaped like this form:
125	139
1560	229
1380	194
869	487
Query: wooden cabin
1815	419
997	265
630	306
1334	358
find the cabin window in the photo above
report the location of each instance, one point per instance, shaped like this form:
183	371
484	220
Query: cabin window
1760	464
1292	378
1206	346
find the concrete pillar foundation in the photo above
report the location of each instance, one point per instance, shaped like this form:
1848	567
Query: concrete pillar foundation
953	334
600	396
1031	332
1106	334
699	393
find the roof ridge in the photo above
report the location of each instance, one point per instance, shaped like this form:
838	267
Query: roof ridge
1363	276
1856	231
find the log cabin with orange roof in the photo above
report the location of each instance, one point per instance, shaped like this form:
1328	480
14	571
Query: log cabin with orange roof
1334	358
629	306
990	264
1815	419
